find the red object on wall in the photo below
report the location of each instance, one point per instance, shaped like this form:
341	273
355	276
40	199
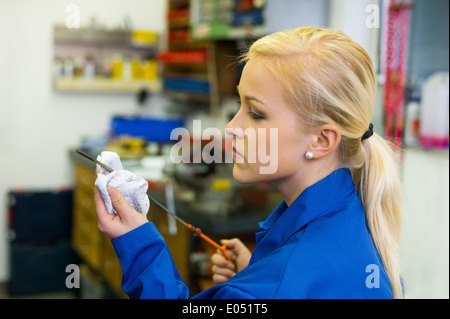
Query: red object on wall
183	57
396	38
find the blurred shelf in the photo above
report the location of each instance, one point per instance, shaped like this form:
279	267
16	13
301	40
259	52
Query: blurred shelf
221	31
105	85
196	68
188	95
179	23
173	4
184	57
132	39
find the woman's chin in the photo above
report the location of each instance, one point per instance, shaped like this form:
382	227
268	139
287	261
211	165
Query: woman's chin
244	174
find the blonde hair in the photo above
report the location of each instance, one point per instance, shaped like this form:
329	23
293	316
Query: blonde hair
328	78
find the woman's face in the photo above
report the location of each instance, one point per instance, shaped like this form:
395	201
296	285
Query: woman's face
268	140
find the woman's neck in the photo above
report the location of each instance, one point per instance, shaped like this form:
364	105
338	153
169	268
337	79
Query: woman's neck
290	187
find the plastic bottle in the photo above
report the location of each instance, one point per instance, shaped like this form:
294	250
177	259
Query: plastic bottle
117	68
434	124
57	67
68	68
126	69
89	68
412	121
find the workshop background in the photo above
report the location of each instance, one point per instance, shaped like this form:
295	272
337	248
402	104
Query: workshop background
120	75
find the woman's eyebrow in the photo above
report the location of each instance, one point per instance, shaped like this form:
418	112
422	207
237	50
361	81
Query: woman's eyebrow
250	98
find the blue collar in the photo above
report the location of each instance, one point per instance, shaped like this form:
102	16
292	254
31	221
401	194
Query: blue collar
320	199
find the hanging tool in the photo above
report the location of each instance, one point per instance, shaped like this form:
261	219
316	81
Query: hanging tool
195	230
395	56
170	201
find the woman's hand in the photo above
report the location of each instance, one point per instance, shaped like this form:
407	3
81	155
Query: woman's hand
112	225
224	269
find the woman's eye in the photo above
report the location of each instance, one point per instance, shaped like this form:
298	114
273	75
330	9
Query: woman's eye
252	114
255	116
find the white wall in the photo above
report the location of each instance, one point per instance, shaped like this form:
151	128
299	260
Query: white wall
37	125
425	235
311	13
349	16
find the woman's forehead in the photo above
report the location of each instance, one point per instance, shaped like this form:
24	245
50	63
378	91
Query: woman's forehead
258	81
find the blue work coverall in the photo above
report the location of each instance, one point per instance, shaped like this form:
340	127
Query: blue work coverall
318	247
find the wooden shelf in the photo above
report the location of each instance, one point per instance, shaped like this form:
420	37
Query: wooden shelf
105	85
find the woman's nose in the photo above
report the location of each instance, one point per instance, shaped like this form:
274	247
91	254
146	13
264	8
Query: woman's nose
234	127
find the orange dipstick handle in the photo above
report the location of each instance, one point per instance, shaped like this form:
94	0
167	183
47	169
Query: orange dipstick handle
198	232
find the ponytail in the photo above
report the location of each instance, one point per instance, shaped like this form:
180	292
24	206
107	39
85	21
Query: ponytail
381	195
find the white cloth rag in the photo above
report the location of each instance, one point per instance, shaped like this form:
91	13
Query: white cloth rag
132	187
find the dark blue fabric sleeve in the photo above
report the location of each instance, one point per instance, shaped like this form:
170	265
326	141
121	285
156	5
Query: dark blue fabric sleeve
148	268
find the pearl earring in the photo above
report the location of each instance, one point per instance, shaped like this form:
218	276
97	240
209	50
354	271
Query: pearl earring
309	155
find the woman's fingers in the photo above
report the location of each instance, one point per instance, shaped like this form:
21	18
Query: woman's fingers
119	203
235	245
219	279
104	219
220	261
223	271
100	208
238	252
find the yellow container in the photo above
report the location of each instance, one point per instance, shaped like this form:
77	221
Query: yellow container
221	184
136	69
117	69
150	70
144	37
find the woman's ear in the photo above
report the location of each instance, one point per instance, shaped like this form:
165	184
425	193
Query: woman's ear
326	140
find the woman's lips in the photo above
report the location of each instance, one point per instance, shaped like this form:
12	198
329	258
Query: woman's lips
236	154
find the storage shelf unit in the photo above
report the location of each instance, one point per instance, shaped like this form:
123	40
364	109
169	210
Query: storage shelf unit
226	19
98	60
195	70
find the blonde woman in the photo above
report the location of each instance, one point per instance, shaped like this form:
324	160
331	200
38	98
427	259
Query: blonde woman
336	233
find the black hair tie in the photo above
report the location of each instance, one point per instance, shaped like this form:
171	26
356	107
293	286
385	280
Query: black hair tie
368	133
